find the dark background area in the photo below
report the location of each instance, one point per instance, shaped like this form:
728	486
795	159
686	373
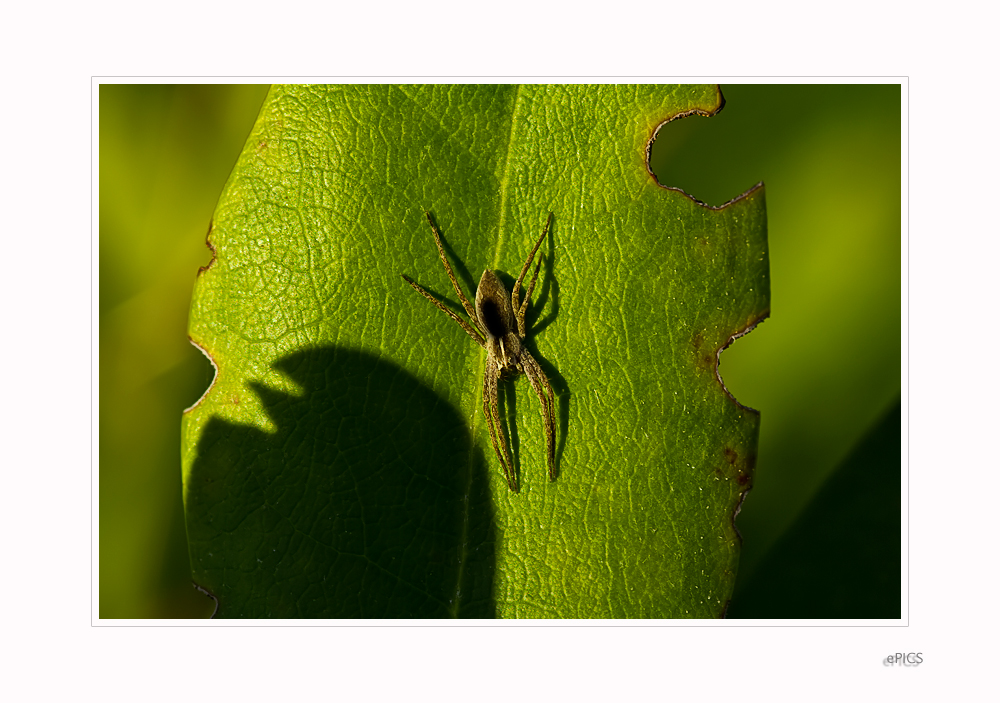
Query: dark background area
824	370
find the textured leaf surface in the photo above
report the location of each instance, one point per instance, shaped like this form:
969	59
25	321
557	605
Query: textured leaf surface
340	465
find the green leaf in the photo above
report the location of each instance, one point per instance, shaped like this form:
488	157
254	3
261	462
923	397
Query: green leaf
340	464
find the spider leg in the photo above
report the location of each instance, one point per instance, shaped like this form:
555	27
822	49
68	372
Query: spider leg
514	299
492	411
465	325
521	331
451	274
543	389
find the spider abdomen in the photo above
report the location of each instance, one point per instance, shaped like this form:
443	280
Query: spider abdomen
493	307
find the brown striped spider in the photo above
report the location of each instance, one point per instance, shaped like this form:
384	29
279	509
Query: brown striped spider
498	327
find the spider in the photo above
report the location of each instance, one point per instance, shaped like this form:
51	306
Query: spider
498	327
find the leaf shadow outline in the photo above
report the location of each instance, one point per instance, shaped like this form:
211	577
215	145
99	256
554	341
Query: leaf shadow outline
370	500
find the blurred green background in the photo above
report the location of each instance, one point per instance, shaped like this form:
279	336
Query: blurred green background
821	525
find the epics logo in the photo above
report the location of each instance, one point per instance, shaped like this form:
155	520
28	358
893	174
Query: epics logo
909	659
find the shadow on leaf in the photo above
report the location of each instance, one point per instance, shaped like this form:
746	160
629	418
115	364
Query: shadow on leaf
369	501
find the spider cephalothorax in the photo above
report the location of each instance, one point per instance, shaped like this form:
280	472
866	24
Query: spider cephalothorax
498	327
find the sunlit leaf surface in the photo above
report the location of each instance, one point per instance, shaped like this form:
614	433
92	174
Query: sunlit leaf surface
340	464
